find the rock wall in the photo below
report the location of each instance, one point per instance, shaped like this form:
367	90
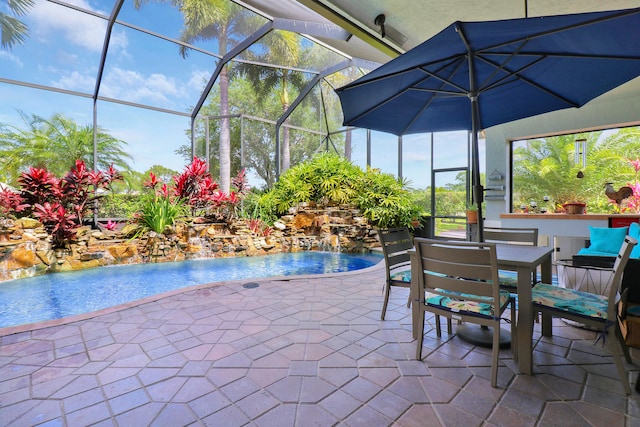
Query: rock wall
25	246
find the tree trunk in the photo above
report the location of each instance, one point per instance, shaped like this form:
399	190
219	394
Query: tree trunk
225	128
347	145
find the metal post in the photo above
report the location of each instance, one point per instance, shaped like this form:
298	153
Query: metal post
400	157
368	147
207	147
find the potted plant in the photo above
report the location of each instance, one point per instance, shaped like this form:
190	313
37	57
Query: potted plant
573	202
472	214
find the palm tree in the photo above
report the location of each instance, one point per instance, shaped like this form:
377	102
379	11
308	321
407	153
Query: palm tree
283	48
226	22
13	30
55	144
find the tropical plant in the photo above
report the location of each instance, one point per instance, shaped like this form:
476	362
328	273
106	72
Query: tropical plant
386	201
330	180
12	29
284	48
227	23
58	221
55	144
159	212
11	204
60	204
193	190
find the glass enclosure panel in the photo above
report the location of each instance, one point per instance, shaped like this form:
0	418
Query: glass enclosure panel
344	77
319	57
450	149
450	203
332	108
416	160
309	113
384	152
358	146
304	144
62	50
153	72
23	113
153	138
258	144
161	18
168	21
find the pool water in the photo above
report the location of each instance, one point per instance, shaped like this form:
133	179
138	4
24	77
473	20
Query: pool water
59	295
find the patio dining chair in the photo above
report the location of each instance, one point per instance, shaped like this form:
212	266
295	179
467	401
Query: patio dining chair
595	311
512	235
395	243
459	280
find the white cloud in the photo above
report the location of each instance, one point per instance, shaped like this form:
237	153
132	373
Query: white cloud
76	81
6	56
136	87
198	80
78	28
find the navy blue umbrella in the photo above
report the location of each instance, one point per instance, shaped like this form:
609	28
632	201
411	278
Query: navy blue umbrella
473	75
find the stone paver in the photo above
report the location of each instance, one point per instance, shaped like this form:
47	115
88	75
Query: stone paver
307	350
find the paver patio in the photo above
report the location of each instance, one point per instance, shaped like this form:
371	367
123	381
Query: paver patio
293	352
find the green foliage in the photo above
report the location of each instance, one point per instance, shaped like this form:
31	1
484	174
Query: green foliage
330	180
157	213
118	206
55	144
260	206
547	167
326	180
385	201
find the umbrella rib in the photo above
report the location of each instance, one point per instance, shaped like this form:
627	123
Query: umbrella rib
568	55
403	91
501	66
565	28
516	74
446	81
443	82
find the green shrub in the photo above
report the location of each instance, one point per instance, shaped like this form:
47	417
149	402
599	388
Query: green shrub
118	206
331	180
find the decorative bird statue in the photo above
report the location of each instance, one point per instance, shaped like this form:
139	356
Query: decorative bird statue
617	196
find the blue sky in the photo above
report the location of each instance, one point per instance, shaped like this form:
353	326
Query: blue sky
63	51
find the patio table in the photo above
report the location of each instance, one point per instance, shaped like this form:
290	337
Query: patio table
523	260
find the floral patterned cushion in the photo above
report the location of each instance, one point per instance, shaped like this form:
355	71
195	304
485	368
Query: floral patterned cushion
457	303
402	276
570	300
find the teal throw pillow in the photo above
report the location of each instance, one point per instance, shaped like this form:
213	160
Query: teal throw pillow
607	239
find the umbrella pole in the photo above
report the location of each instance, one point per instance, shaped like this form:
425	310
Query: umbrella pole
477	189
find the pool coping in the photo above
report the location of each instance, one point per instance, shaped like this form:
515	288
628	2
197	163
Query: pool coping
28	327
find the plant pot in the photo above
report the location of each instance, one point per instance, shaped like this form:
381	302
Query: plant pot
574	208
472	217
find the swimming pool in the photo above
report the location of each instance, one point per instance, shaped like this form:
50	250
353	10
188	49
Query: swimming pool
59	295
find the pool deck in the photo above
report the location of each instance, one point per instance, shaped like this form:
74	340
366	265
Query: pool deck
293	352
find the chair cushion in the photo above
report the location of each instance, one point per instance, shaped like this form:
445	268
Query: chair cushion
604	239
634	231
454	303
582	303
402	276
